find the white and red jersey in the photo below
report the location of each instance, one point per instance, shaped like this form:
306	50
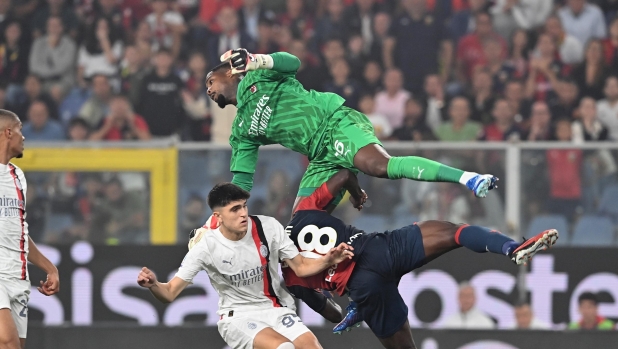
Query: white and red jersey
245	272
13	226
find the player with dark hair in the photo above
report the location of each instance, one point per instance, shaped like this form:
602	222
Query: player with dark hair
241	256
380	260
16	246
274	108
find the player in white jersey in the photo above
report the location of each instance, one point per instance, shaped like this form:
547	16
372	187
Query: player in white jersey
241	258
16	247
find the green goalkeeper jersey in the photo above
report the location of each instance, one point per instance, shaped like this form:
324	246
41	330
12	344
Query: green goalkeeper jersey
274	108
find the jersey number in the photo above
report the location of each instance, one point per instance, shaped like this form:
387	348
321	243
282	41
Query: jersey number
288	322
24	310
340	149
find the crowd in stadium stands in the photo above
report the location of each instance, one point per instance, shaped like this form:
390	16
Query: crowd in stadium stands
451	70
446	70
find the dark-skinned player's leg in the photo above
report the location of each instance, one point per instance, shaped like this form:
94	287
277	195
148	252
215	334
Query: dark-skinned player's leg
402	339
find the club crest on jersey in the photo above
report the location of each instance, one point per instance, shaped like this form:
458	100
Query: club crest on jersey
253	89
264	251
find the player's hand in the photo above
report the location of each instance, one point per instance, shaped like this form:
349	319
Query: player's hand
340	253
242	61
146	278
358	202
51	285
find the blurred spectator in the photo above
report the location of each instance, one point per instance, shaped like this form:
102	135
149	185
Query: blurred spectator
540	122
468	316
283	37
589	311
251	15
96	107
570	49
265	42
144	38
121	124
332	51
545	69
564	103
414	127
525	319
360	18
55	8
160	102
464	21
391	101
229	38
78	130
607	108
13	61
435	101
503	128
518	54
195	100
331	24
134	68
193	214
459	128
583	20
520	105
355	57
381	126
342	85
167	25
588	128
280	199
39	127
414	31
3	102
610	47
310	74
25	8
120	217
525	14
482	96
564	167
379	38
33	92
470	48
7	16
297	19
500	70
372	78
100	52
590	75
37	209
52	57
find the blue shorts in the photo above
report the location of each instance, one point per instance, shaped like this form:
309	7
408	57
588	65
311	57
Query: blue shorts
374	281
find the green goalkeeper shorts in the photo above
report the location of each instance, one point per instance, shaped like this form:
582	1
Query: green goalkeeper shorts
350	131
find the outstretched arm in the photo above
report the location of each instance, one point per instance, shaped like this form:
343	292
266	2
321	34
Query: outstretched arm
242	61
165	292
52	284
243	162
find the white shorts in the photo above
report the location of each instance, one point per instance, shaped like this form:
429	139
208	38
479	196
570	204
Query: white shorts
14	295
239	330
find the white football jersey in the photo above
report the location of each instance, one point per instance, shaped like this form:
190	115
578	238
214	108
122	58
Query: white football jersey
13	226
239	270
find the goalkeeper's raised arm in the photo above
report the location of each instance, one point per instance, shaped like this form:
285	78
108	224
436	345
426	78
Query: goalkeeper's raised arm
242	61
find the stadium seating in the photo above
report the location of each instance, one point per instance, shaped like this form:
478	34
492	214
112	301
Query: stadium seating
540	223
609	202
593	231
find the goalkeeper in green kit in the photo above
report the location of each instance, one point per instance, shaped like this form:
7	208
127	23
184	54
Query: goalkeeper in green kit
274	108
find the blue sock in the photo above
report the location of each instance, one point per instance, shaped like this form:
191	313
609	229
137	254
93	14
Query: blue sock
480	239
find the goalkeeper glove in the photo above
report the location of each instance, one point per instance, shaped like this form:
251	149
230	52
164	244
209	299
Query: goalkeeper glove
242	61
196	234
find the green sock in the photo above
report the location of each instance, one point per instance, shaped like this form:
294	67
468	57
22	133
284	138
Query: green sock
421	169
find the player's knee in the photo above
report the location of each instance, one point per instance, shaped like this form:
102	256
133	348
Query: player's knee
286	345
9	342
